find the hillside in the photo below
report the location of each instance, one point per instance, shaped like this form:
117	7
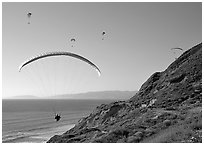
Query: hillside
167	108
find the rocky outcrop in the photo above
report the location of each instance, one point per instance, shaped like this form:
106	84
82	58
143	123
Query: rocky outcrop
167	108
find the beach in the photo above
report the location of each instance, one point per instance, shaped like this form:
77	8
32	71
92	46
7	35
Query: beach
33	120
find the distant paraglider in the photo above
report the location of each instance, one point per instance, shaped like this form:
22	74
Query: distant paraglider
103	35
177	51
177	48
29	14
73	40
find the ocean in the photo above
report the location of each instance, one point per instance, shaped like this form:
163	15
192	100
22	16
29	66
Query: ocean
32	121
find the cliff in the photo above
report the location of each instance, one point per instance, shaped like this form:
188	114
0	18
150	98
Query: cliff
167	108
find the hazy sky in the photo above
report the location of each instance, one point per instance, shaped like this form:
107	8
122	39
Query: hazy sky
137	43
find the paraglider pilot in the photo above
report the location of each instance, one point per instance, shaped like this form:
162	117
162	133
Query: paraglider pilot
57	117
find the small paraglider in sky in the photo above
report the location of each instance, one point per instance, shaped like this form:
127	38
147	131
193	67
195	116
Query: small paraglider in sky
177	51
73	40
177	48
29	14
103	35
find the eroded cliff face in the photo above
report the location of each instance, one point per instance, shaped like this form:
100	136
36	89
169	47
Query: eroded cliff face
167	108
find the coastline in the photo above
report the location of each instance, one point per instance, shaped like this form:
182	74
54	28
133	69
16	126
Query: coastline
39	136
29	123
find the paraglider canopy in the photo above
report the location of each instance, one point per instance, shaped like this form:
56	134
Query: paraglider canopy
73	39
177	48
29	14
59	53
103	33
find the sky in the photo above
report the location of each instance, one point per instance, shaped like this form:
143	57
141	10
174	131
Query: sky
137	43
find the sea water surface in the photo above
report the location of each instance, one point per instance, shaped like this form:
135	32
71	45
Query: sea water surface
33	120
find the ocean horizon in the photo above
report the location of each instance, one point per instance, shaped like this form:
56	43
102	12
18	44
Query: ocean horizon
32	120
